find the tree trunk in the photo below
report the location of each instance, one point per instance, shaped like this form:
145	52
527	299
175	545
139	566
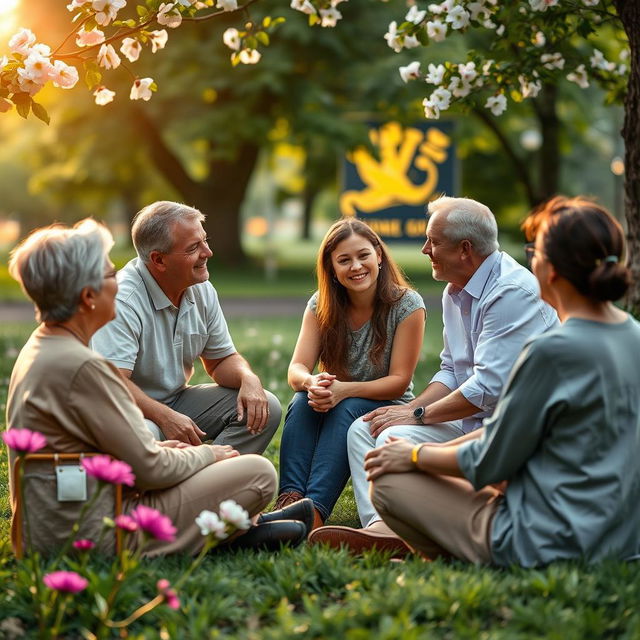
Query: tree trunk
549	156
219	196
308	199
629	13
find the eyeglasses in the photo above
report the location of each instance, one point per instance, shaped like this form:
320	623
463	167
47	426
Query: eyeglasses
530	251
203	244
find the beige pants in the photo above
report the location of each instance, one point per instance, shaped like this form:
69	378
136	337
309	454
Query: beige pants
438	515
250	480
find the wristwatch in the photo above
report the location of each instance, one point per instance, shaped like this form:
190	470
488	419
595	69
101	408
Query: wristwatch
418	413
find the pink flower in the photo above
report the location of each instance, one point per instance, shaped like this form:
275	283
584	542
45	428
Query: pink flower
83	544
66	581
141	89
103	96
170	596
89	38
156	524
104	469
24	440
126	523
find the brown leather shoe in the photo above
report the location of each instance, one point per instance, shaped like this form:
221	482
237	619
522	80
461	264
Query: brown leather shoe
286	498
317	520
357	541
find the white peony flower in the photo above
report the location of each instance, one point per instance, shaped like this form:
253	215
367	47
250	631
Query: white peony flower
89	38
552	60
458	17
497	104
227	5
108	58
63	75
141	89
529	88
392	37
233	513
435	74
579	76
22	41
467	71
436	30
430	110
329	17
168	17
231	38
131	49
250	56
303	5
410	72
415	16
107	10
441	98
209	522
158	39
103	96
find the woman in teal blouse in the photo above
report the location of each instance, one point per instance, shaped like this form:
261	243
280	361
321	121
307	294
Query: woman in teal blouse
554	473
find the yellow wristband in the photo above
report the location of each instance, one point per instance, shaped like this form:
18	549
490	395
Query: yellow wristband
415	452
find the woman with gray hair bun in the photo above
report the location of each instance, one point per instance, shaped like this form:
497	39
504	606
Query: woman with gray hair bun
78	401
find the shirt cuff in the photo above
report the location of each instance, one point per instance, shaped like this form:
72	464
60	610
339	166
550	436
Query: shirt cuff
446	378
474	394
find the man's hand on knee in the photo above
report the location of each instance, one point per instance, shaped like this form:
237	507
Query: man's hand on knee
253	404
177	426
385	417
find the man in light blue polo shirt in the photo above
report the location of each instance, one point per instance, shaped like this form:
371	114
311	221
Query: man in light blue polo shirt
491	307
168	315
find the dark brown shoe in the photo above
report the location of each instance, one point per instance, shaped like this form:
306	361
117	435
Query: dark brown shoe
287	498
357	541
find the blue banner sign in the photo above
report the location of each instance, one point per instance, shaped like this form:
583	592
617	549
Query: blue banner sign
389	190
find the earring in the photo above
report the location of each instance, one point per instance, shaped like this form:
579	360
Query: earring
379	265
93	306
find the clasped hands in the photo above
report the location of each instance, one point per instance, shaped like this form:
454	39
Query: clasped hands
324	392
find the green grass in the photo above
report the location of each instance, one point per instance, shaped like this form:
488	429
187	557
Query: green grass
311	592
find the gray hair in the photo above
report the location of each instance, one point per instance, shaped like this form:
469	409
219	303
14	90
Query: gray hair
467	219
54	264
152	226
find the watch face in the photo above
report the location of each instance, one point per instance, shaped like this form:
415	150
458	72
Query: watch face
418	413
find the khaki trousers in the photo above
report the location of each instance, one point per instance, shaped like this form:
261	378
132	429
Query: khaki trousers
250	480
438	515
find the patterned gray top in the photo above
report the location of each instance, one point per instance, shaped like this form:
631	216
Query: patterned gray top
359	365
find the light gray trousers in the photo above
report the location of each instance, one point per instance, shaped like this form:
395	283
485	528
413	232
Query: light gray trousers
213	409
360	440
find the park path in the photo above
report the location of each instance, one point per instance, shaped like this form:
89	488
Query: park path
18	312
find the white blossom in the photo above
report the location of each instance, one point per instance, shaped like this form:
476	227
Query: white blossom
233	513
458	17
552	60
107	57
435	74
89	38
579	76
231	37
467	71
622	69
414	15
430	110
441	98
436	9
37	68
158	39
459	88
107	10
392	37
76	4
63	75
539	39
227	5
168	16
486	67
250	56
22	41
329	17
303	5
529	88
542	5
410	72
598	61
141	89
500	30
209	522
436	30
478	11
411	42
131	49
103	96
590	3
497	104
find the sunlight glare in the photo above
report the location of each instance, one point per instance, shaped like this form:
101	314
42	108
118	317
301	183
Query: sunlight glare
8	20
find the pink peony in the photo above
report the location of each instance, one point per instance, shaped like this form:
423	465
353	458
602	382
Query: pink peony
66	581
24	440
83	544
156	524
126	523
104	469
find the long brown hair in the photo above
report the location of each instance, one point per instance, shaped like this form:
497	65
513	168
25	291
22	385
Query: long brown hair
333	300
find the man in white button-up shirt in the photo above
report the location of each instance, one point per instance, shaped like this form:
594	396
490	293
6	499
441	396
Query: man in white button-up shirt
491	307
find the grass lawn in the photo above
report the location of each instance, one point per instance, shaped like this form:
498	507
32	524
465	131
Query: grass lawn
315	593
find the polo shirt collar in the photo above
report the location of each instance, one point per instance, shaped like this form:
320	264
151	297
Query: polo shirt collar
478	281
157	295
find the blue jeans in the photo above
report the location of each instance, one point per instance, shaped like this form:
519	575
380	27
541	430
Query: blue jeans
313	451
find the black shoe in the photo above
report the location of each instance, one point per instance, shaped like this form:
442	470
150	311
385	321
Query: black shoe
302	510
271	536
